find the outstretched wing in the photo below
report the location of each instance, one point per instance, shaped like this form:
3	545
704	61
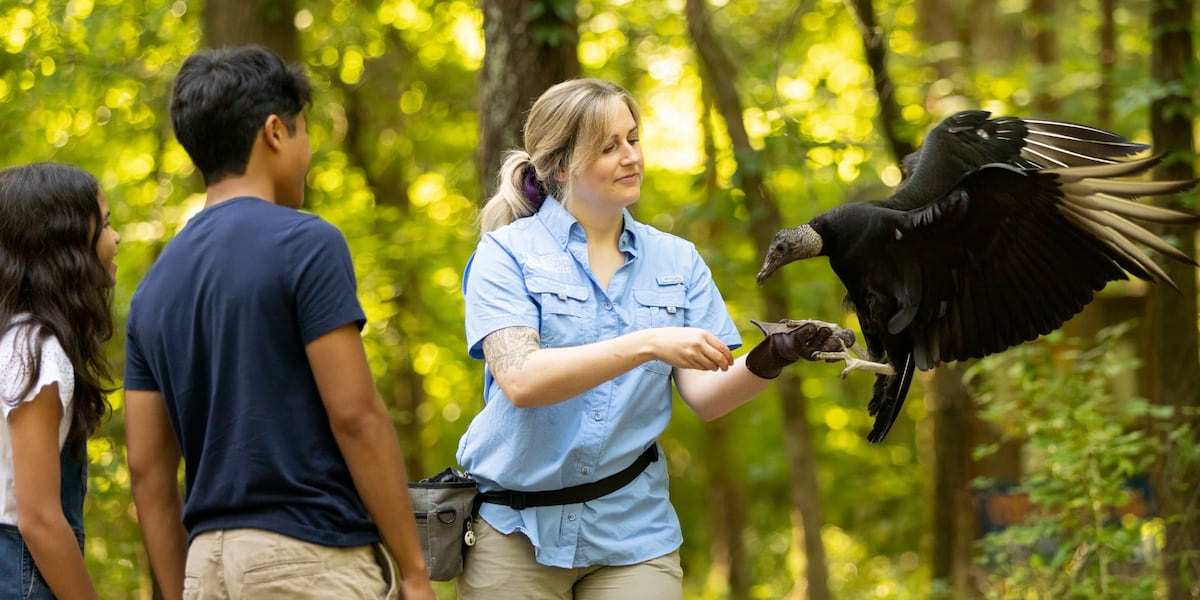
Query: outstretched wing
1011	254
968	140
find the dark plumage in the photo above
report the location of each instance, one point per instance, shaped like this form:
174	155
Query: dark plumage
1003	230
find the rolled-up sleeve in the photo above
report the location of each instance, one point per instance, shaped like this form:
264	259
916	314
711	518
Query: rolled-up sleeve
495	294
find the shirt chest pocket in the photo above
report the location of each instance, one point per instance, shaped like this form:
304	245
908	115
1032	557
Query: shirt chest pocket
660	307
566	315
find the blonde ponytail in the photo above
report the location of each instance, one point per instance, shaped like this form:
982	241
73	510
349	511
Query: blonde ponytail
512	199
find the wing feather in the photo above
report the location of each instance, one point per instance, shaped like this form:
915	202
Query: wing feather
1122	168
1084	139
967	140
977	311
1142	265
1132	231
1027	253
1133	210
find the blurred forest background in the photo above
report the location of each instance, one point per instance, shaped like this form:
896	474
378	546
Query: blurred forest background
1066	468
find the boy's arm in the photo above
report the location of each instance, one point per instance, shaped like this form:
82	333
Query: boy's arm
154	475
368	442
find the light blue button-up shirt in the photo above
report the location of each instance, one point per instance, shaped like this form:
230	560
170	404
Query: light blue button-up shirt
534	273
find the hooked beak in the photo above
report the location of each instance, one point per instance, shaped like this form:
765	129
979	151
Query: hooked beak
770	265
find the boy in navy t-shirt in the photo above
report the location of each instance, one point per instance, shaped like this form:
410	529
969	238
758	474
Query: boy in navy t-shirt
244	358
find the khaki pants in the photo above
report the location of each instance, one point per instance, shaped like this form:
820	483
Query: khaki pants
232	564
502	567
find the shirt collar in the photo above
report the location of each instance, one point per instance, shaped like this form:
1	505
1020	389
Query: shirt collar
559	222
629	240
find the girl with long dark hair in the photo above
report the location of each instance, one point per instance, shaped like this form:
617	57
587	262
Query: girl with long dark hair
56	277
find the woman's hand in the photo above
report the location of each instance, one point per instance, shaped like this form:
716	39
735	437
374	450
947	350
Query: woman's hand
690	348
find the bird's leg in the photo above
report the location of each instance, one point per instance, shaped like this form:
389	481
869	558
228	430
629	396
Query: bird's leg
856	360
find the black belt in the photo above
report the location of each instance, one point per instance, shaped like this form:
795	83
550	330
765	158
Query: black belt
576	493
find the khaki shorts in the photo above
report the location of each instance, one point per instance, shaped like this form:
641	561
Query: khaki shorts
252	563
502	567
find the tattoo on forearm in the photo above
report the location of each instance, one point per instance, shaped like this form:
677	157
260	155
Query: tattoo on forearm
508	349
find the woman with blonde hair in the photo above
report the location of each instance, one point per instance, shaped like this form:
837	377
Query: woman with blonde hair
585	316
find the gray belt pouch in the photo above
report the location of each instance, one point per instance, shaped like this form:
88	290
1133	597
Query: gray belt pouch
444	506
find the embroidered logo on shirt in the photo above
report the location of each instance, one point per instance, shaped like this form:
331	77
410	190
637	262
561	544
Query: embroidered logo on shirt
669	279
547	263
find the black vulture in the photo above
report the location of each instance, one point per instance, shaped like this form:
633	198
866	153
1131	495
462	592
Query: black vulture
1001	231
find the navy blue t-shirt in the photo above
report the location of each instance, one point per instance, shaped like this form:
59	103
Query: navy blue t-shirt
218	326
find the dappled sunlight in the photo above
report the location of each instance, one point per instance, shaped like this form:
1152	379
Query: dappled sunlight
672	137
836	418
394	127
891	175
352	66
855	573
599	43
15	29
403	14
188	208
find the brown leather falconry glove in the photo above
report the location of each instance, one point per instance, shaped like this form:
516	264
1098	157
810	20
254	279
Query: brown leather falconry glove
788	341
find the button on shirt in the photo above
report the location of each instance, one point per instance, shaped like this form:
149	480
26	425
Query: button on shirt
534	273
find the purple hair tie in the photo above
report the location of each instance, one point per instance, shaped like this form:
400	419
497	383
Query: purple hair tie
533	188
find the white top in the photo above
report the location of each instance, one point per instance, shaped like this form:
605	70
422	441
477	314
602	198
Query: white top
14	374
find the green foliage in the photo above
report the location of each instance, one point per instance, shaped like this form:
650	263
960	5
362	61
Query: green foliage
551	22
1084	445
393	124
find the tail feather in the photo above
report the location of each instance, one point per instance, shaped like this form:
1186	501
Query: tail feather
888	399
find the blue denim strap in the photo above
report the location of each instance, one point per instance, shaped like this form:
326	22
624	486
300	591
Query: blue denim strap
73	475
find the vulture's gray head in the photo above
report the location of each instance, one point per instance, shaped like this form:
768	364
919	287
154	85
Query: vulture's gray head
792	244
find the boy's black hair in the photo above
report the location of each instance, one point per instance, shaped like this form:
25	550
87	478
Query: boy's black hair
223	97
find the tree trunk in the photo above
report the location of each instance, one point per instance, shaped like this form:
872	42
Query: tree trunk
264	22
952	511
727	509
1173	361
806	513
937	26
1108	61
1045	56
875	48
530	46
765	220
990	38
